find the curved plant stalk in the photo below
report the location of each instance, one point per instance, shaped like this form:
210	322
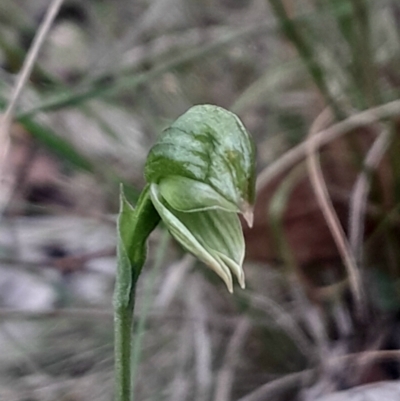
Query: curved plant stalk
134	226
325	203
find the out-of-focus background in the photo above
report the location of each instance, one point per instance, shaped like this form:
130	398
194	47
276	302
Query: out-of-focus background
110	76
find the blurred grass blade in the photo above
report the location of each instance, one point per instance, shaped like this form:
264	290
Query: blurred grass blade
57	145
276	213
291	30
140	329
363	54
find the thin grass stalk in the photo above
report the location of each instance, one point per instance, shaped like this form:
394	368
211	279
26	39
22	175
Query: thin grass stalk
29	61
284	320
277	207
276	210
145	310
275	388
363	54
388	220
292	32
226	375
26	70
343	20
345	23
332	219
360	193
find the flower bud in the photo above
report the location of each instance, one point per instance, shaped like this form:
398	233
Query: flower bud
201	174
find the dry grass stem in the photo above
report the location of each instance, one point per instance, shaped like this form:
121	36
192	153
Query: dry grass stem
202	340
23	77
275	387
284	320
312	317
181	385
375	355
359	198
330	215
292	381
173	281
226	375
299	152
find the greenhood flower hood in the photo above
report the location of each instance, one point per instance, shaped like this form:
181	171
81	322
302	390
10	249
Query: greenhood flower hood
201	174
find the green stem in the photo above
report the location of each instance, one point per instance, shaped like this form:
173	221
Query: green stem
134	227
123	319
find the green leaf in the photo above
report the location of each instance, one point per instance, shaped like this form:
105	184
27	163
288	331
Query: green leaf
124	283
134	227
125	234
57	145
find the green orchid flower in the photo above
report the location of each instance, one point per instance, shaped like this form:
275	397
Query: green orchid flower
201	174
